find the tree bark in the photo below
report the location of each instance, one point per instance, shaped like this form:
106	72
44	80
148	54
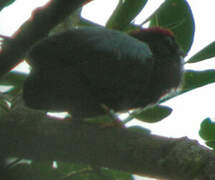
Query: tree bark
37	27
33	135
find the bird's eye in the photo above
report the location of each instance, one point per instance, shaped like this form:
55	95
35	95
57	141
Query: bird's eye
169	41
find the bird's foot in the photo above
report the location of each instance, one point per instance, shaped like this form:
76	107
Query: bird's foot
115	120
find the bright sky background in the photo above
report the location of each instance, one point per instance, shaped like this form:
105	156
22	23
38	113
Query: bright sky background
189	109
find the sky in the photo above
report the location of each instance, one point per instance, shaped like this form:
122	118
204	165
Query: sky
189	109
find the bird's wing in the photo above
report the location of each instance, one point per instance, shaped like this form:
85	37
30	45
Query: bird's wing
85	44
112	64
60	90
119	68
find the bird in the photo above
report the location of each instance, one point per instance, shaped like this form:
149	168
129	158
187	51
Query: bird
84	69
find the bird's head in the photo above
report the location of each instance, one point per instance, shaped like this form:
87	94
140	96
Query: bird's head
161	41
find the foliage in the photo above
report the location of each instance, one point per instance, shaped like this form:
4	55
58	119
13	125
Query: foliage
205	53
173	14
207	132
5	3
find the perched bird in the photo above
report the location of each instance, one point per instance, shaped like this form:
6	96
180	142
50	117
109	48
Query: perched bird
84	68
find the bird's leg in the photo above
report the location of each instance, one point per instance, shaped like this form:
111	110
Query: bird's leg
116	120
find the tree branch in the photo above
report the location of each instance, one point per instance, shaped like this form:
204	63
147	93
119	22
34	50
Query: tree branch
32	135
38	26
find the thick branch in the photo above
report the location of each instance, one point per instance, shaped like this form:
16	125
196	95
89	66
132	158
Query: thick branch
38	26
29	134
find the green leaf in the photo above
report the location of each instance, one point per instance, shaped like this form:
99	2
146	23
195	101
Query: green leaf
81	171
34	171
140	129
205	53
192	80
16	79
13	78
75	171
154	113
124	13
119	175
195	79
4	107
207	130
211	144
177	16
